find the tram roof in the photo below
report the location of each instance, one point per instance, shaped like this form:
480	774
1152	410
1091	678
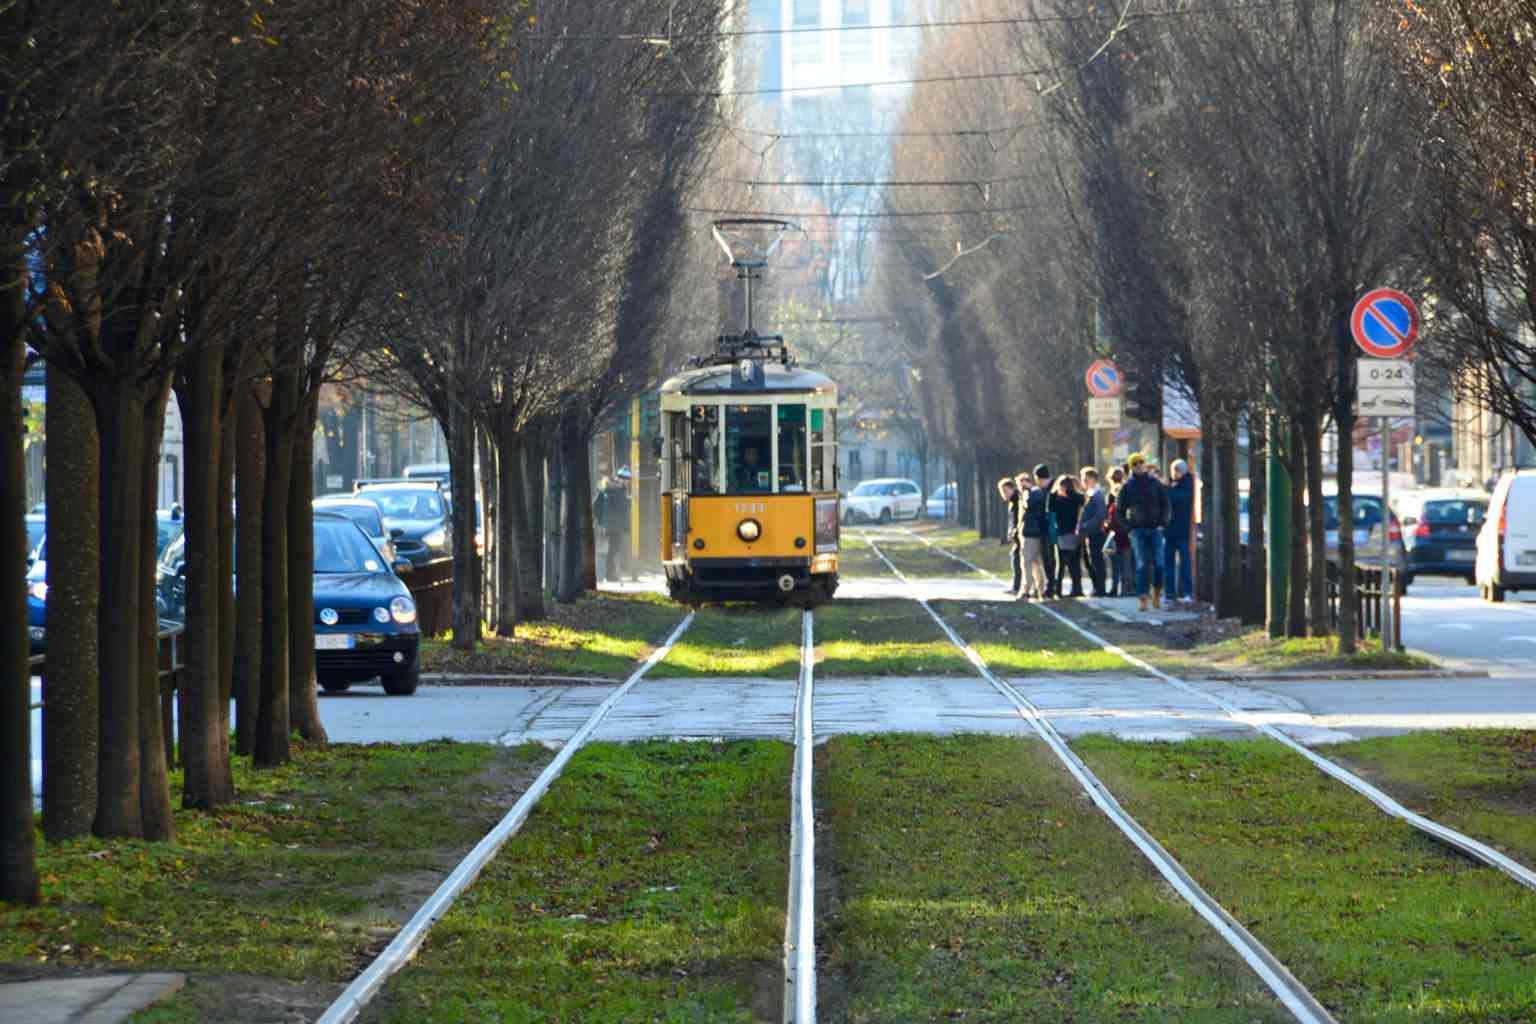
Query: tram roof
777	379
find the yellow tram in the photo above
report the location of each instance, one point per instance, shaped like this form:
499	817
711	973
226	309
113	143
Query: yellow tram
749	503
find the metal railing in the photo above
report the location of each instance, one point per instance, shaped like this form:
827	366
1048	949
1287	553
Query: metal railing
1370	599
171	665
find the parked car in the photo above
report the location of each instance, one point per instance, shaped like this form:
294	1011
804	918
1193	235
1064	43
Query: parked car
365	620
168	527
367	516
1506	544
944	502
1433	533
1366	509
37	525
416	517
882	501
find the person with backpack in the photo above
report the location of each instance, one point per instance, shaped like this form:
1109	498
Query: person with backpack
1035	527
1145	510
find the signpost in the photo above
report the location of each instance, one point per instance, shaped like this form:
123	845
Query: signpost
1105	383
1385	324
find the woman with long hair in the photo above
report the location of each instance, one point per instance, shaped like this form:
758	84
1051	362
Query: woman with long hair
1066	508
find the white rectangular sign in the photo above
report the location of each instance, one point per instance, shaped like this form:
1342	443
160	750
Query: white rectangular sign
1386	388
1104	413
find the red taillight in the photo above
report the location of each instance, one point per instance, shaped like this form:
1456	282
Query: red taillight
1503	521
1421	532
1395	533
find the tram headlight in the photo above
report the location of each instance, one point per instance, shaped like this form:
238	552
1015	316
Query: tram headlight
749	530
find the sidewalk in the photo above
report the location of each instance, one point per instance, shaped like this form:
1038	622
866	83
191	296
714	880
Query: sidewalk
1127	609
103	999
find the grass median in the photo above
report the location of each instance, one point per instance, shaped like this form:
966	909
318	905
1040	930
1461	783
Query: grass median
1478	781
648	885
598	635
975	882
883	638
1017	639
309	872
737	640
1380	922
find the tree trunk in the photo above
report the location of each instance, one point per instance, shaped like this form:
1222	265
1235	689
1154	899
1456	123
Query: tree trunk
1207	580
487	492
1344	416
72	725
208	781
303	695
583	496
1229	573
250	489
1258	494
466	561
528	531
224	583
573	455
1317	591
553	466
18	843
121	421
155	782
1296	611
506	537
272	721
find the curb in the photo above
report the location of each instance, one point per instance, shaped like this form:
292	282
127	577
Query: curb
1339	674
487	677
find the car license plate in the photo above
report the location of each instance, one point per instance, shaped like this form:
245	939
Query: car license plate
1462	555
1526	558
333	641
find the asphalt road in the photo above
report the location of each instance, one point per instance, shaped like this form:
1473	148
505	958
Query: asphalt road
1446	618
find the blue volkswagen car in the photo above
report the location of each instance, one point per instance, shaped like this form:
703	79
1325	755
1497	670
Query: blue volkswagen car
365	620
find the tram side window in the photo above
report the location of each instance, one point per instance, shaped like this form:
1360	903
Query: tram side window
704	449
822	430
792	452
748	455
677	450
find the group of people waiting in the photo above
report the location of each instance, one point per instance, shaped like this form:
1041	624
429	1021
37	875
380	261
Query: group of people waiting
1138	528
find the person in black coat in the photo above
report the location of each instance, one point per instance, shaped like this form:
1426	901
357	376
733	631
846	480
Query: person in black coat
1144	509
1066	508
1010	493
1039	523
1091	527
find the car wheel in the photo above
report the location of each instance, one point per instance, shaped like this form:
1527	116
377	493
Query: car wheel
333	685
1472	581
885	516
1495	593
402	684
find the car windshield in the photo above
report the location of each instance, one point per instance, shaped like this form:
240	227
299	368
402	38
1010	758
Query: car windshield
341	547
35	530
865	490
1454	513
167	531
407	504
364	515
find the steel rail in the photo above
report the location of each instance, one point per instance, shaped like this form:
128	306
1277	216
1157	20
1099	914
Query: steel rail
800	925
1291	993
409	939
1457	840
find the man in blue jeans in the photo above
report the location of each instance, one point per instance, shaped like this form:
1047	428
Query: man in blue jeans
1143	508
1177	572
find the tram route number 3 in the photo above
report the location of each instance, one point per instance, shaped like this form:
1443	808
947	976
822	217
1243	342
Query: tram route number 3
746	508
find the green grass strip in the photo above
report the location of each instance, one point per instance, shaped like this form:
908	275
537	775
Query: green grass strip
596	635
737	640
856	558
1478	781
976	883
1379	921
281	883
883	638
1016	639
649	885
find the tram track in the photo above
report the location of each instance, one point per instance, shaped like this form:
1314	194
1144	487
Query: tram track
1287	989
1459	841
409	939
800	921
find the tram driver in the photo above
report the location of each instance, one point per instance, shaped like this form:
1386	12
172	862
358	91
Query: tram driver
751	475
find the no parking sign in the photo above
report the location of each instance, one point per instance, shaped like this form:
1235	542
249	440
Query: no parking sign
1104	379
1385	324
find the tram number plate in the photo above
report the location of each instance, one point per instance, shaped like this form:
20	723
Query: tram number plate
746	508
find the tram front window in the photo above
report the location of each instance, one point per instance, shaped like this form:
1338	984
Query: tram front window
748	451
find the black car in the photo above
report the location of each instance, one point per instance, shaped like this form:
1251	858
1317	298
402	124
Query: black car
365	620
416	516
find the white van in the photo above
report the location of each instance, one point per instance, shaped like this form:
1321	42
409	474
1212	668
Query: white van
1506	545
